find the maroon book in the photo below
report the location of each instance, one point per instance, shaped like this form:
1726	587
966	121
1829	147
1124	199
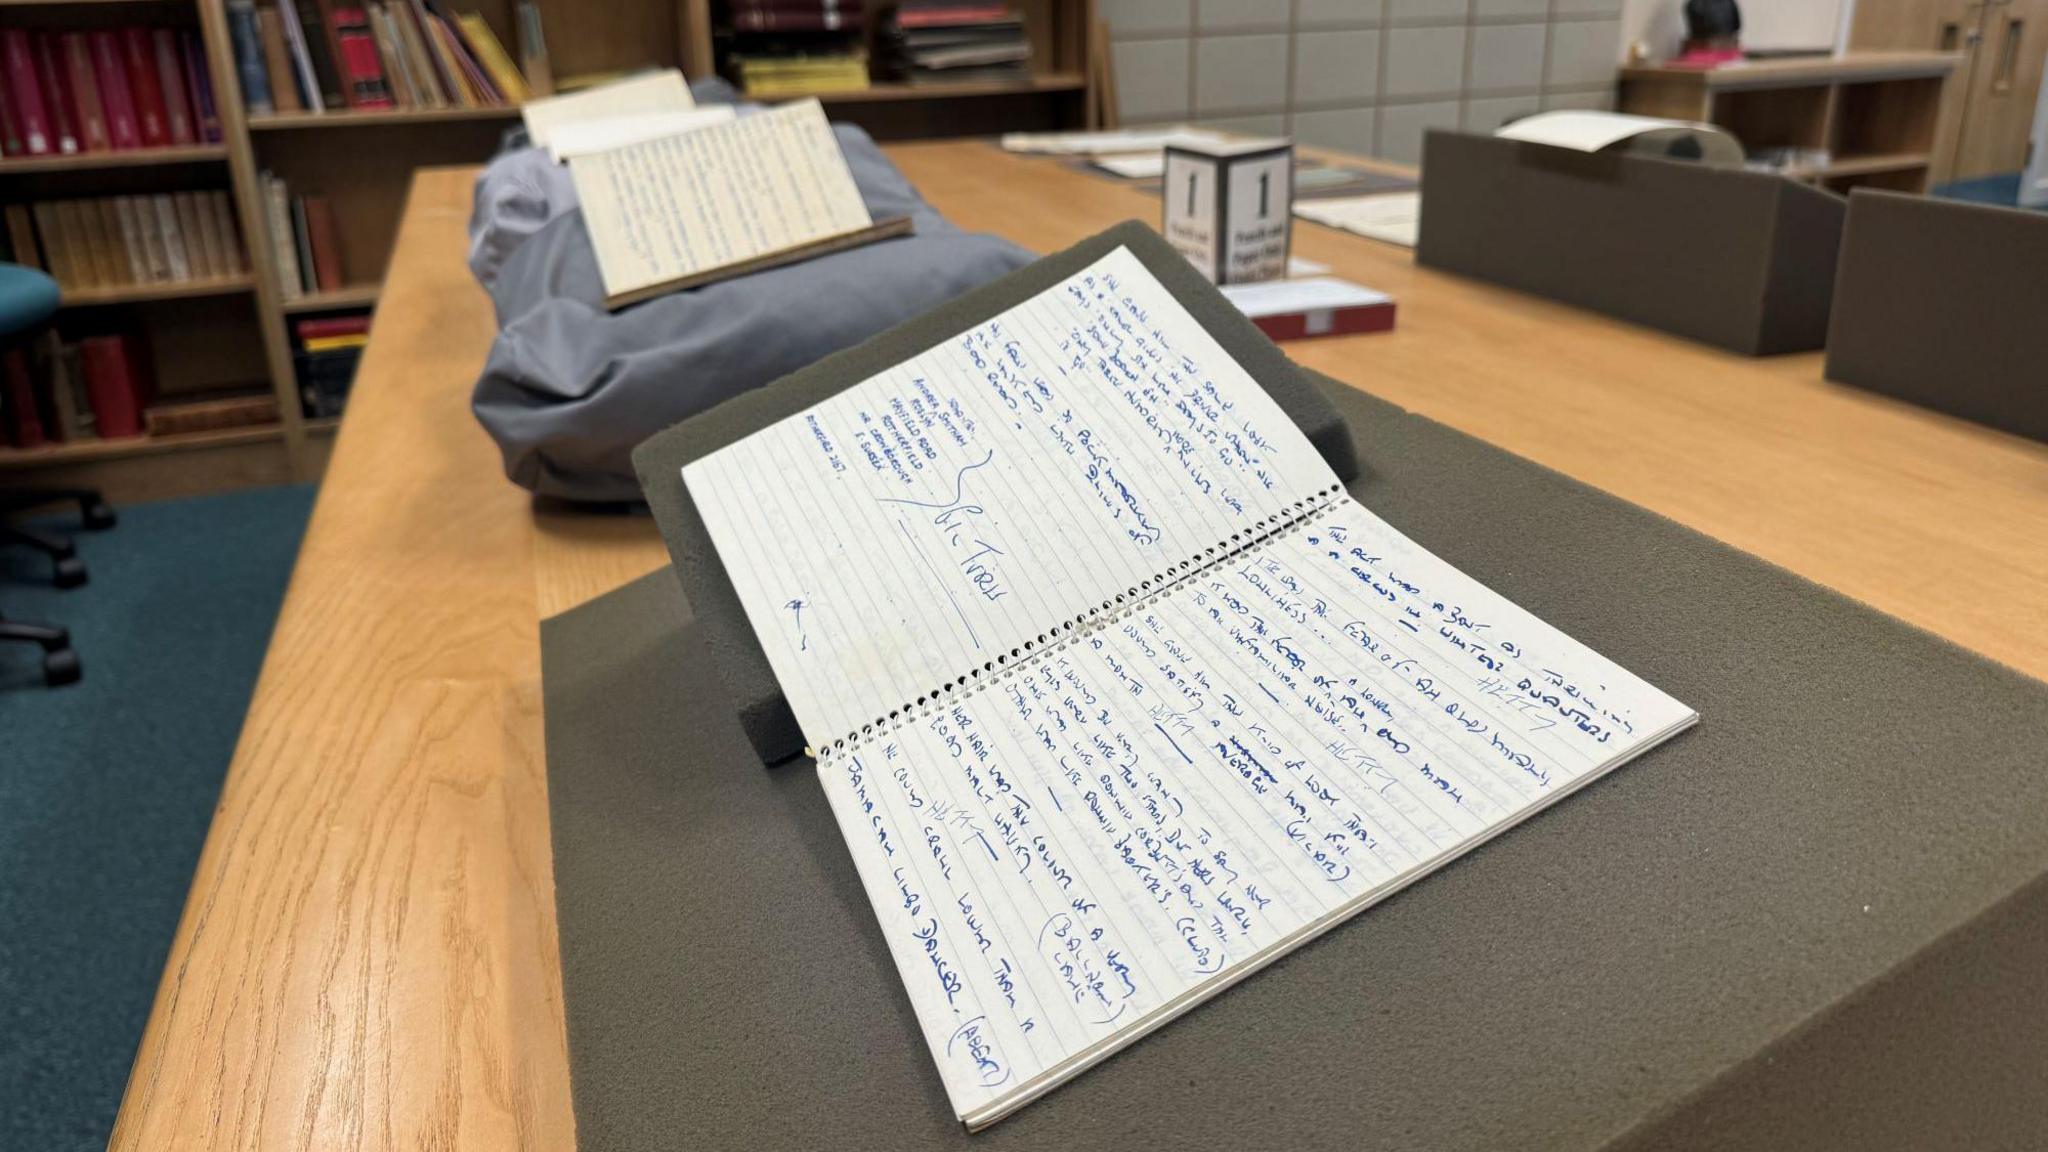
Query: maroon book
145	87
50	76
24	416
24	95
112	385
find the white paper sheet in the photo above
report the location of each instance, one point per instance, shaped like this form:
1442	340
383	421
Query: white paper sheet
664	91
940	520
1112	141
1285	297
1394	217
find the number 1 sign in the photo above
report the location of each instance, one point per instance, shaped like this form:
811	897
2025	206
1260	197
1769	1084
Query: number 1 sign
1230	207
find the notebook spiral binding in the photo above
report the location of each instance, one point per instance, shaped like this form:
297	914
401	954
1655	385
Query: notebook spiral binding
1059	636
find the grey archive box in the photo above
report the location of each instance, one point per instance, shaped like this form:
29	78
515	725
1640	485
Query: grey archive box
744	672
1741	260
1938	303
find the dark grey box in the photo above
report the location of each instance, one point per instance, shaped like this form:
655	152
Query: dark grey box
1741	260
1940	303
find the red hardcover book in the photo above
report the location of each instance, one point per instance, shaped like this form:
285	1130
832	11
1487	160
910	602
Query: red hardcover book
145	87
1297	309
326	326
946	17
171	74
199	86
320	238
17	51
112	385
85	92
115	98
362	72
24	417
51	79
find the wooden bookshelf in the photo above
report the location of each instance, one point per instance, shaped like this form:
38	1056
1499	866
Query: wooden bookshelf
147	293
380	118
351	296
212	333
102	161
1876	113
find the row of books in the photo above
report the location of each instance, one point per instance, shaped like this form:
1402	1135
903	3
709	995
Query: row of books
311	56
303	240
59	392
950	41
122	241
797	47
104	91
325	353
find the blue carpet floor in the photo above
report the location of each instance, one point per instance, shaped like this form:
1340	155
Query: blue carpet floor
106	786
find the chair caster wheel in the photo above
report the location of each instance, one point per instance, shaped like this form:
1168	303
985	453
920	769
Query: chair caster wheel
61	667
99	516
70	572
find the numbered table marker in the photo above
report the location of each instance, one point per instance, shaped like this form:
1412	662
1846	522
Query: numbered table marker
1230	207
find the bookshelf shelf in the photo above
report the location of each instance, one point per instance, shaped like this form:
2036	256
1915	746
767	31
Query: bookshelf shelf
84	451
133	158
882	91
379	118
144	293
352	296
322	425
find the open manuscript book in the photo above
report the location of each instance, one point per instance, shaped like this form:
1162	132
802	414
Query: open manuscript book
1116	695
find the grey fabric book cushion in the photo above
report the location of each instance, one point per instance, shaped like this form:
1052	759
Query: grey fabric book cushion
571	387
1817	920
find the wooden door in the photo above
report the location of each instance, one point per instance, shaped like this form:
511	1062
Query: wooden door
1923	26
1999	108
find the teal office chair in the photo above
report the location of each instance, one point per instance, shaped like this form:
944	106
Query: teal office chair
27	299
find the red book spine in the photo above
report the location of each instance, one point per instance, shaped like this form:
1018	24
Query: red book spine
25	418
110	386
56	94
144	87
114	95
361	70
10	126
24	93
85	91
331	326
1350	321
177	109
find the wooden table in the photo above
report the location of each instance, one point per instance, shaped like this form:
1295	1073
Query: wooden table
368	955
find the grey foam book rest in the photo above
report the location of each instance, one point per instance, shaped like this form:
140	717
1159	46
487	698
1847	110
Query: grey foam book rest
1938	303
744	672
1742	260
1818	920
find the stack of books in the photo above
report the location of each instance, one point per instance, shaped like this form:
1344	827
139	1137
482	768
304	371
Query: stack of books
325	352
798	47
108	90
125	241
312	56
303	240
955	41
58	392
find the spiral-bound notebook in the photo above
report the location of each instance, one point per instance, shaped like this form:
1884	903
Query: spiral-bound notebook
1116	695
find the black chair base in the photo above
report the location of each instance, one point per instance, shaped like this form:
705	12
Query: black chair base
67	570
60	660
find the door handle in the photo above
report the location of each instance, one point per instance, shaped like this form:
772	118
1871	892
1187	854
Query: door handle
2008	56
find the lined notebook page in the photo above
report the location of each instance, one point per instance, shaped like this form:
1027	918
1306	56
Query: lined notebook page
668	209
1072	854
936	521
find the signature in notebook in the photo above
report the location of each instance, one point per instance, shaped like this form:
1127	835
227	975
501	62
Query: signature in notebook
797	608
